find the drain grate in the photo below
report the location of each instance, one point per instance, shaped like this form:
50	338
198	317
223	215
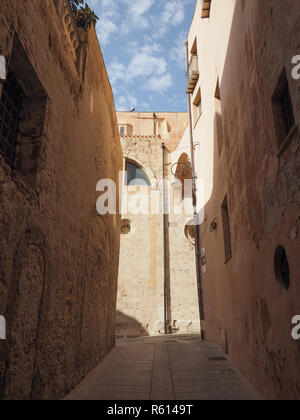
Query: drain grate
217	359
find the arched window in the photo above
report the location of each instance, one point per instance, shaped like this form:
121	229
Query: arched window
136	175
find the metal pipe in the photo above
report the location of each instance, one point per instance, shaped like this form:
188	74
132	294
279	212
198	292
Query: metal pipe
196	225
163	147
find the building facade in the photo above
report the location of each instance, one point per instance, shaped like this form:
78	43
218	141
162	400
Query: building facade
157	282
244	93
59	258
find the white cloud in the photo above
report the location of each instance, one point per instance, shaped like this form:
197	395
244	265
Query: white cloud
144	62
125	103
116	71
142	46
173	14
178	53
159	84
106	30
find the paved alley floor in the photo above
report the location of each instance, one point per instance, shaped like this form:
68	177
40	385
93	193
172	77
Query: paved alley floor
165	368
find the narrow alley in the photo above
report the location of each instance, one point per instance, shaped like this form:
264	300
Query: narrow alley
165	368
149	200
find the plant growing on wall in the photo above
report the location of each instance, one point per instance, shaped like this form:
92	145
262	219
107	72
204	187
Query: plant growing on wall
84	16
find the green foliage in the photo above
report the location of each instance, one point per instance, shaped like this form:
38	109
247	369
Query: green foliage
84	16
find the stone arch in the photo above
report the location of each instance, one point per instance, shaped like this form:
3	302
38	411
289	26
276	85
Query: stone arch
184	172
25	313
144	166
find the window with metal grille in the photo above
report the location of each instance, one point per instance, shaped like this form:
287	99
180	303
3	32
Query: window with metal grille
11	106
23	101
282	107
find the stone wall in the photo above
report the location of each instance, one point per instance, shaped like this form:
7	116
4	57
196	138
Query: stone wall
149	259
59	258
247	311
169	126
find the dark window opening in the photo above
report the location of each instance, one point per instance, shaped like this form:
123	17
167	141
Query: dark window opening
122	131
218	120
281	266
194	47
11	107
136	175
287	108
282	107
197	107
226	230
22	112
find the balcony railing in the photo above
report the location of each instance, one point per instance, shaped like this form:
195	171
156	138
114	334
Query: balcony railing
192	74
206	8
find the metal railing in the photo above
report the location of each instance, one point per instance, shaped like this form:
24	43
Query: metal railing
192	74
205	5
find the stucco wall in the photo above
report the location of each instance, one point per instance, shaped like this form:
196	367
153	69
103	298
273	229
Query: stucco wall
247	44
59	258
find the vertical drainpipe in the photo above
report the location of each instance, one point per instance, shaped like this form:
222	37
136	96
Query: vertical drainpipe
163	148
196	223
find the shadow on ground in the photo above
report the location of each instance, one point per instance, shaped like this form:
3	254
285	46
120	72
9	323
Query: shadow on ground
128	327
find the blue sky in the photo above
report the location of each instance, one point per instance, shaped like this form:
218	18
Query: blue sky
143	46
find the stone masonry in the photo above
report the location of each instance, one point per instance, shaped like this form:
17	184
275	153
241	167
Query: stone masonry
148	257
59	258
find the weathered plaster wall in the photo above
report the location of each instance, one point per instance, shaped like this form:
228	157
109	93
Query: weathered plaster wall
169	126
247	46
141	273
59	258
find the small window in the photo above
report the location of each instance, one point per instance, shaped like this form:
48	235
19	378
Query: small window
282	269
218	119
122	131
136	175
282	106
197	107
226	230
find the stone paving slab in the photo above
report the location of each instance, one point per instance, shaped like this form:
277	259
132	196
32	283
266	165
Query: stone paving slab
165	368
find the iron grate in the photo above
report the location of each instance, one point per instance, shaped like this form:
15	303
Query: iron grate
11	106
